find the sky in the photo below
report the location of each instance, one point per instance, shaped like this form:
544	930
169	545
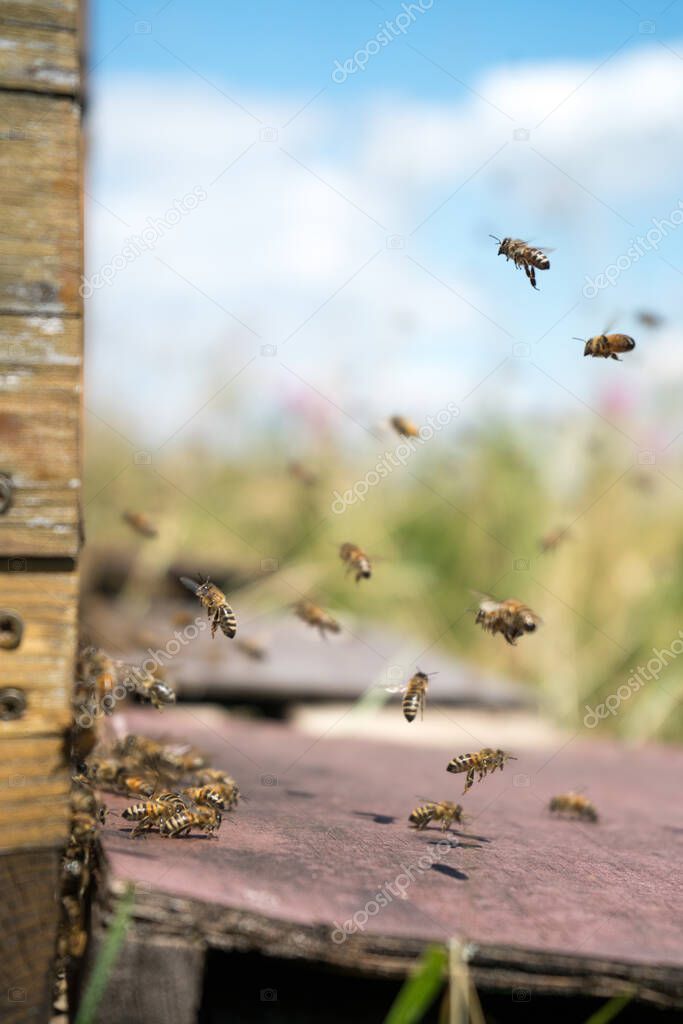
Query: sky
288	210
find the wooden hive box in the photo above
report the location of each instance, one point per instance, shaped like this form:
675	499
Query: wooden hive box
40	387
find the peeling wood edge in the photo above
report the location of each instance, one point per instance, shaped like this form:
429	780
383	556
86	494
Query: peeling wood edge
493	968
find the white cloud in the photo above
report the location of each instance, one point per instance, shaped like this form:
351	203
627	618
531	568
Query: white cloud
292	236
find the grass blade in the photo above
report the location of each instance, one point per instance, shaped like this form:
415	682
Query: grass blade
99	978
421	989
609	1010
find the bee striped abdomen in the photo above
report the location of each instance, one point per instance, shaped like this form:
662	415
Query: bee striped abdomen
421	816
415	696
539	259
176	824
225	618
211	795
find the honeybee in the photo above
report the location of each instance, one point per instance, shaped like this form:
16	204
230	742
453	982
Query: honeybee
73	937
606	346
512	618
251	648
549	541
141	523
213	778
574	804
356	560
404	427
649	319
214	600
415	696
181	822
481	763
149	813
135	785
316	616
213	796
443	811
523	255
99	673
150	687
302	474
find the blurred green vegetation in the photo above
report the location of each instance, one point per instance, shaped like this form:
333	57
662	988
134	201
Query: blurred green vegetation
466	512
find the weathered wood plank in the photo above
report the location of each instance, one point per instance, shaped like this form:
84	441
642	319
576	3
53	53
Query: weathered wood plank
38	59
42	666
45	13
28	926
40	382
589	906
40	245
157	979
34	792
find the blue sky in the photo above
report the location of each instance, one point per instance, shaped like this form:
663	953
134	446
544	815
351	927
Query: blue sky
338	259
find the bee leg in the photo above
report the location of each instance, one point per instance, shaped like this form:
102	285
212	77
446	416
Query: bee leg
214	624
615	356
531	274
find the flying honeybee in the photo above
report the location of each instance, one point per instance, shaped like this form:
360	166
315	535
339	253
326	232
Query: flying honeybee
480	764
523	255
404	427
443	811
314	615
549	541
214	600
141	523
512	618
415	696
251	648
606	346
649	319
302	473
356	561
574	804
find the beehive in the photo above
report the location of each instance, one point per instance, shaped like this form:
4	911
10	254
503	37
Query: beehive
40	387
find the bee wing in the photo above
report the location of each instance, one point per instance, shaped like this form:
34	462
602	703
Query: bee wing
189	584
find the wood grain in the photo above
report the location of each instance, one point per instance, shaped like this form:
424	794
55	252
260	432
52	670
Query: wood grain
37	58
157	979
540	902
43	664
43	13
40	372
34	790
40	248
27	916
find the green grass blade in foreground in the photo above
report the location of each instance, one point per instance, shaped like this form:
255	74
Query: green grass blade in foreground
421	989
99	978
609	1010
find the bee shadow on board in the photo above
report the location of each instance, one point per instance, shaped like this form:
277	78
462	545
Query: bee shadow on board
379	819
446	869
